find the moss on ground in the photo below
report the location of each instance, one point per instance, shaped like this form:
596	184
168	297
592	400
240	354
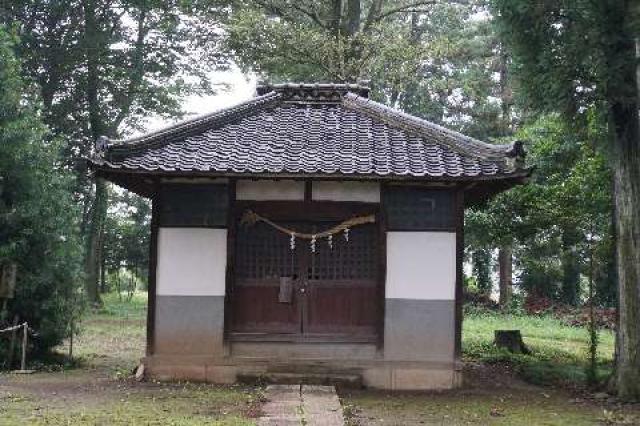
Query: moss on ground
144	405
463	408
98	392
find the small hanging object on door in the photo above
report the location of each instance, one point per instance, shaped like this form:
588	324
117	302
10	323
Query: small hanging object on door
285	295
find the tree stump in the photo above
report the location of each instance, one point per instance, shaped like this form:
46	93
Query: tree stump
510	340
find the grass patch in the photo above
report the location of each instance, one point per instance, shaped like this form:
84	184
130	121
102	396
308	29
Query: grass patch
120	305
558	351
114	336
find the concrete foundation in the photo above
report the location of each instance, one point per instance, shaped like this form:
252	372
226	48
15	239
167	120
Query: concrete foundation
418	350
380	374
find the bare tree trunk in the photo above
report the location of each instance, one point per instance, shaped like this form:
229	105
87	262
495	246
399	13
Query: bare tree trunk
93	45
93	254
570	267
625	129
505	262
103	270
354	9
505	251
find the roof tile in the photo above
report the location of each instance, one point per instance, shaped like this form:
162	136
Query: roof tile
348	135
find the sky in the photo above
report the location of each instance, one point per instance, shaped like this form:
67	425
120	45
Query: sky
239	87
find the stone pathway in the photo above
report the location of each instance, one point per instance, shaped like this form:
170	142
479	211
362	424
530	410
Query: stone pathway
301	405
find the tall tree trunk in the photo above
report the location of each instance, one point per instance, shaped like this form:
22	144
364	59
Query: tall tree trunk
481	263
93	47
505	251
625	129
354	11
94	238
103	268
505	265
570	267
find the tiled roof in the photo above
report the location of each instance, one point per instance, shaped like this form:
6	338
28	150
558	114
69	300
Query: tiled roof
311	130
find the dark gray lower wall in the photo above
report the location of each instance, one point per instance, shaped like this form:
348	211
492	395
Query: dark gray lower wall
419	330
189	325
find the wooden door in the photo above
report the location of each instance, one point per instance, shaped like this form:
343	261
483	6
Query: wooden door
342	284
336	291
263	255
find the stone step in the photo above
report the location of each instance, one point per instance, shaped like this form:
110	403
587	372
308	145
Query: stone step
291	378
301	404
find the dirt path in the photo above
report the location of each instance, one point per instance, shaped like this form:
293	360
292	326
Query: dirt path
101	390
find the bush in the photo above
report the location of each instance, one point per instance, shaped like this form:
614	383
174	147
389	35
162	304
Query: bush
38	219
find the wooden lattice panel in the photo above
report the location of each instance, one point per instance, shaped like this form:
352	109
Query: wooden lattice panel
263	252
346	260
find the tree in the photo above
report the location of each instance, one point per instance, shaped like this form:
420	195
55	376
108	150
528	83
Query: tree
571	56
126	240
569	191
436	60
38	230
103	66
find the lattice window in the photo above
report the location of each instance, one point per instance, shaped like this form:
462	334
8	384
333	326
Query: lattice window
263	253
355	259
417	209
194	205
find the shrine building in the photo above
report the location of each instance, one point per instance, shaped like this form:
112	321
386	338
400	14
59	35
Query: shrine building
309	233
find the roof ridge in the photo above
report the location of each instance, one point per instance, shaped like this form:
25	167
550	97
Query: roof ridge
167	134
476	147
314	92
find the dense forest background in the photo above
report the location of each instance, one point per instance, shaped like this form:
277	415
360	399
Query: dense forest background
71	71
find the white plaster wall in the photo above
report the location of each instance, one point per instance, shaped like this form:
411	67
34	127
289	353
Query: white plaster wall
346	191
421	265
191	262
265	190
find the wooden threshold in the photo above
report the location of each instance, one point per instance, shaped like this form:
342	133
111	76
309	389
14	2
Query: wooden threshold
301	338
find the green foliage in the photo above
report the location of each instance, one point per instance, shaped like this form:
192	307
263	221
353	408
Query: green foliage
127	233
481	261
559	353
103	68
433	61
567	201
38	228
582	56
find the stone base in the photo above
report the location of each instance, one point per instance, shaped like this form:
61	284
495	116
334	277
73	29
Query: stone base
387	375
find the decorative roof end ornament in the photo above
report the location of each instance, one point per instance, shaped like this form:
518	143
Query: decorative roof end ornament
516	154
101	145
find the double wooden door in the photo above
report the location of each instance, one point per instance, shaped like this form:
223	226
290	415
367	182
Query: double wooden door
334	285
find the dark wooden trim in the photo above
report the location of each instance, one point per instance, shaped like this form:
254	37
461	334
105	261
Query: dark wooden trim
153	264
308	190
447	229
459	211
231	251
518	177
307	211
301	338
382	270
196	226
